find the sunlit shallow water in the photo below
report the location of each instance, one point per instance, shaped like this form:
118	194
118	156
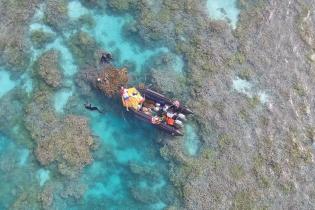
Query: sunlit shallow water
248	88
224	10
6	83
127	169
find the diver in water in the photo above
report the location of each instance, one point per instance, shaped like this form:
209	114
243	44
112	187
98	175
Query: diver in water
92	108
106	58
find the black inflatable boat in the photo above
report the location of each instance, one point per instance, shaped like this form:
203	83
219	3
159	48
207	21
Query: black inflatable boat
156	109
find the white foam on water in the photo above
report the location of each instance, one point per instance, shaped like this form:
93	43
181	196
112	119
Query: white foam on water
43	176
6	84
192	141
224	10
75	10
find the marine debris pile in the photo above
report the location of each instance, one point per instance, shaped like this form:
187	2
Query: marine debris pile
108	80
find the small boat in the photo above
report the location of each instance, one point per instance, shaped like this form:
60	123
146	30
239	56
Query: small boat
155	96
156	109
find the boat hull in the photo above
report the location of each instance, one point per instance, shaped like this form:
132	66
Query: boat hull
163	126
157	97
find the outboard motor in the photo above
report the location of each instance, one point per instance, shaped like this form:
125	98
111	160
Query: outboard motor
179	123
181	116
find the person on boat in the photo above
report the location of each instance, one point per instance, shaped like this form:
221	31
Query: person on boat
158	109
146	111
125	95
155	120
92	108
174	107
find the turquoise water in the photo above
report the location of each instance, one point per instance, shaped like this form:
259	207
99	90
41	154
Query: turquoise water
191	140
43	176
61	98
127	171
224	10
243	86
16	171
6	83
248	88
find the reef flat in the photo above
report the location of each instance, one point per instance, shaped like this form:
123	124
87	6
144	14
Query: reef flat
245	68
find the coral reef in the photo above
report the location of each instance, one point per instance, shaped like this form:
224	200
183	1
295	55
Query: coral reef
144	171
164	77
168	82
84	48
56	14
48	69
144	195
109	80
40	38
66	141
12	106
26	200
121	5
14	49
256	154
46	197
251	151
73	189
86	20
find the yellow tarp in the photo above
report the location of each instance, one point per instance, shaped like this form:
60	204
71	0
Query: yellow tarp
134	99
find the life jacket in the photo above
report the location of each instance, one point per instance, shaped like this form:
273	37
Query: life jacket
170	121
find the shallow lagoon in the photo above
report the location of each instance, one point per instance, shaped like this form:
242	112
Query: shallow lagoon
6	83
127	169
